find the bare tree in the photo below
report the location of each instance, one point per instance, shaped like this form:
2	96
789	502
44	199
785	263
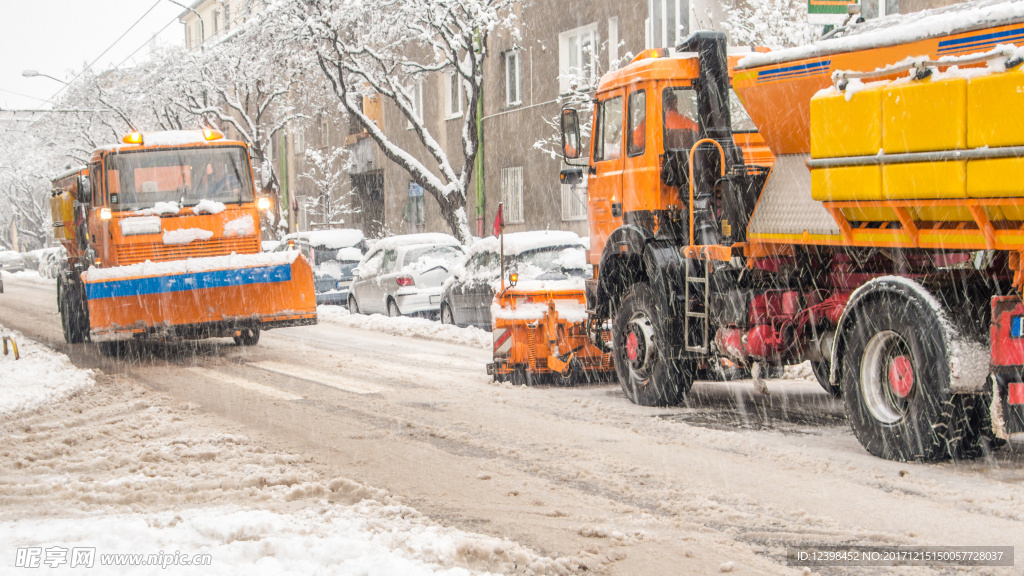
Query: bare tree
771	23
384	48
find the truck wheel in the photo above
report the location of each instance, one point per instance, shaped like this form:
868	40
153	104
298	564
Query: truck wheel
973	427
353	306
896	379
821	374
74	315
647	375
248	337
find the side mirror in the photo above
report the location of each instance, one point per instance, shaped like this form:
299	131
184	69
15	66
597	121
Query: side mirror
570	134
355	272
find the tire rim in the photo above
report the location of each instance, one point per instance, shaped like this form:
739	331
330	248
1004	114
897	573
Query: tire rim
887	377
639	345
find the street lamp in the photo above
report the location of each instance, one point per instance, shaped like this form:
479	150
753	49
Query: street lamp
34	73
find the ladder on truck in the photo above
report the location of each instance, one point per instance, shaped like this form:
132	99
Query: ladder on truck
691	314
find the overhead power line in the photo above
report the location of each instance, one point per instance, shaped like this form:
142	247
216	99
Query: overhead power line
90	65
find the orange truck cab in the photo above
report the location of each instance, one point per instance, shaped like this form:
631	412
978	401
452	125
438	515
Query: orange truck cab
162	235
880	239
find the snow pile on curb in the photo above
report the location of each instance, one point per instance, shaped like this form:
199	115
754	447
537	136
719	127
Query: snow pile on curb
368	538
30	277
40	377
407	326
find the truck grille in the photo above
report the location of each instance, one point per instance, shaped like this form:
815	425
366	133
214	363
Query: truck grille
135	253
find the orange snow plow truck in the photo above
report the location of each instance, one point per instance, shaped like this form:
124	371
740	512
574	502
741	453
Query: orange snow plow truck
163	240
884	244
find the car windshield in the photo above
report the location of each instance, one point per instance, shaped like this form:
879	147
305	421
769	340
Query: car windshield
139	180
428	257
552	263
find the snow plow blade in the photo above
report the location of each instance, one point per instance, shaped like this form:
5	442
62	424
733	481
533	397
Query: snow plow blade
201	297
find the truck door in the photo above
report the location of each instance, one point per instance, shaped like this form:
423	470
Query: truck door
641	173
605	183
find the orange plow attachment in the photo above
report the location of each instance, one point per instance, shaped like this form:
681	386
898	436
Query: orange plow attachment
542	336
201	297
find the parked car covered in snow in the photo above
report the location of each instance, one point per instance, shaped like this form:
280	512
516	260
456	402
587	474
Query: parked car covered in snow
543	255
402	275
333	254
51	260
11	261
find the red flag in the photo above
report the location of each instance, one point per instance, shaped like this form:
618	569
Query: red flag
499	222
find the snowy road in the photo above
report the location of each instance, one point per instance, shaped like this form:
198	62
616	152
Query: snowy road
724	484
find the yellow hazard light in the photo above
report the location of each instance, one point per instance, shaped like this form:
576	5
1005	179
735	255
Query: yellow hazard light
653	53
132	138
105	214
212	134
263	203
513	278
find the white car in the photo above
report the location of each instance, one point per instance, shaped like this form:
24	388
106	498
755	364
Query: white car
402	275
11	261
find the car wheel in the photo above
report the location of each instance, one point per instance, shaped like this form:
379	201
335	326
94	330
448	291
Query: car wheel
446	314
353	306
393	310
248	337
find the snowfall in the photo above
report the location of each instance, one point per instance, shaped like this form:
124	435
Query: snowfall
118	469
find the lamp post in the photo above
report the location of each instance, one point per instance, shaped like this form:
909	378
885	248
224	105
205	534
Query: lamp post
202	29
34	73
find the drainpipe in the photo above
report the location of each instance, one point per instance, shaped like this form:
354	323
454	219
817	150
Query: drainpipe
479	169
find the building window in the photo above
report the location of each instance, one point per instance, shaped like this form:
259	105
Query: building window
299	139
513	78
188	37
613	43
227	16
577	50
325	131
574	201
669	22
216	22
453	95
512	194
417	101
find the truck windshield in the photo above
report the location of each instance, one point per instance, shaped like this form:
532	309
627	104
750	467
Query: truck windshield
141	179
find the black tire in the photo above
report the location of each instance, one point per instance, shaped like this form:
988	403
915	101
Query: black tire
74	313
972	428
114	349
821	374
896	379
393	310
248	337
446	314
646	374
353	306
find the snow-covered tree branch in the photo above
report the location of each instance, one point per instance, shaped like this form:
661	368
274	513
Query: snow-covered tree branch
383	49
